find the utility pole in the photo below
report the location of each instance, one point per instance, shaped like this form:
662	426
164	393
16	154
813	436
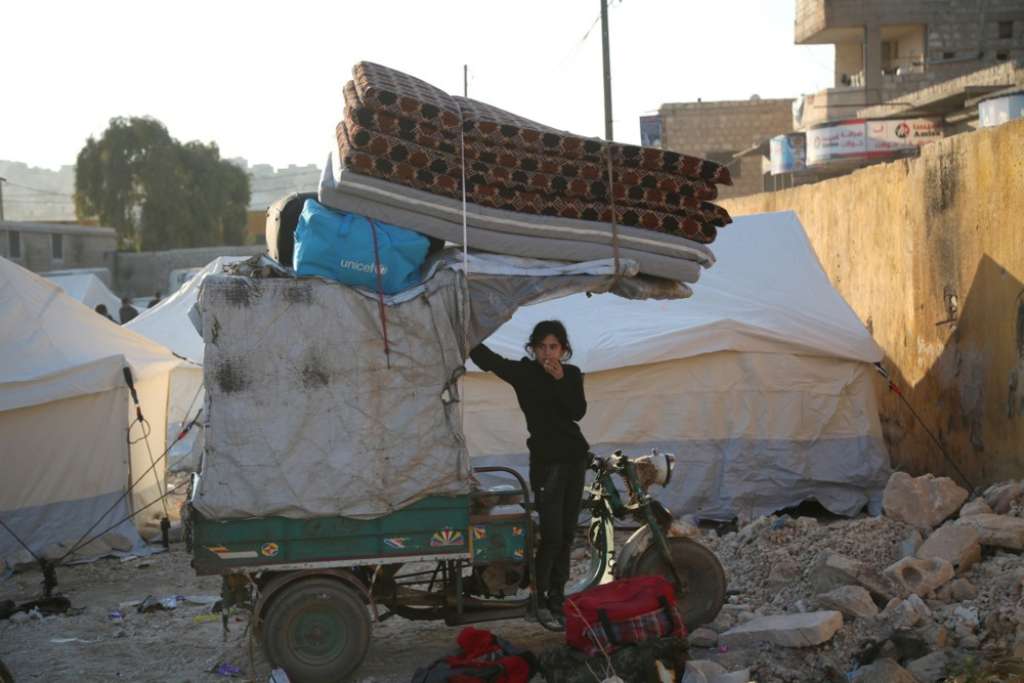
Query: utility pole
607	71
2	181
465	80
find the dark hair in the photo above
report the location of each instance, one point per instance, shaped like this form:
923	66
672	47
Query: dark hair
553	327
101	309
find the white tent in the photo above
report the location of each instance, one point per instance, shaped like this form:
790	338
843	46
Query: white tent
761	384
168	323
65	412
88	289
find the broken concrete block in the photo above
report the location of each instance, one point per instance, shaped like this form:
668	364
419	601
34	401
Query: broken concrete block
929	669
914	575
910	544
787	630
882	671
962	589
702	671
1001	497
784	573
955	543
740	676
906	614
975	507
703	637
836	570
923	502
1000	531
852	601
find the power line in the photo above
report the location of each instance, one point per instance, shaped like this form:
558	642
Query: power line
39	190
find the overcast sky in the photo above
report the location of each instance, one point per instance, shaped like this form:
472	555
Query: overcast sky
263	80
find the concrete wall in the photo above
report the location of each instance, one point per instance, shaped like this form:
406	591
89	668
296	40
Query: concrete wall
930	254
143	273
83	247
717	130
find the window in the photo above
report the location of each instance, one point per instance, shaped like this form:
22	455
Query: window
14	244
1002	56
948	55
1005	30
57	247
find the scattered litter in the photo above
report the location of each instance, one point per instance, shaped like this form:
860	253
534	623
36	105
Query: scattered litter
116	616
61	641
200	599
227	670
206	618
278	676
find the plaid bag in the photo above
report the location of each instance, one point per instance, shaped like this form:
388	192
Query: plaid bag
622	612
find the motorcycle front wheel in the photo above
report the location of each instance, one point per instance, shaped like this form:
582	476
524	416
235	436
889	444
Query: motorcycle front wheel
702	592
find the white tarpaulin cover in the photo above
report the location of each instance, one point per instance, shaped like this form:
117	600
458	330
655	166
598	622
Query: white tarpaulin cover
307	415
88	289
761	383
64	411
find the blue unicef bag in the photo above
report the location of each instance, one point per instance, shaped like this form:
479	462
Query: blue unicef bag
339	246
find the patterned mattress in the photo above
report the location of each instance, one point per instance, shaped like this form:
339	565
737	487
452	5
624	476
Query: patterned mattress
401	129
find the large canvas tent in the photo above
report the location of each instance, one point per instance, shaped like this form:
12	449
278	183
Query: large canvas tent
65	412
761	384
168	324
87	288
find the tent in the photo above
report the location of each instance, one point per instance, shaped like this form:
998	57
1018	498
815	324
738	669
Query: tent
168	324
65	411
761	384
87	288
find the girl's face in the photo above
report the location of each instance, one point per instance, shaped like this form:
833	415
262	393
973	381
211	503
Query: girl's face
549	348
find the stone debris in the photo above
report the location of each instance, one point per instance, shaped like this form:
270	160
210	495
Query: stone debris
914	575
910	544
787	630
835	570
906	614
703	637
1002	497
882	671
975	507
923	502
956	543
852	601
931	668
706	671
1001	531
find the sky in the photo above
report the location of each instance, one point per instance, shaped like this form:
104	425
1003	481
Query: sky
263	80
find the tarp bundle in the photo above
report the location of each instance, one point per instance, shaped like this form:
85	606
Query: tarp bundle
311	415
65	409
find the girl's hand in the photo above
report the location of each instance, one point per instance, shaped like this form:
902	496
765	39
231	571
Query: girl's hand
554	368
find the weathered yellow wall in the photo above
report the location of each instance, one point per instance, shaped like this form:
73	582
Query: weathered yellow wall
901	242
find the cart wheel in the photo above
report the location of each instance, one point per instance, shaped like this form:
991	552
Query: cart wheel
703	593
316	629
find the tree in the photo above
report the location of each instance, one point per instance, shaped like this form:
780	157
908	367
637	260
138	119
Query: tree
157	192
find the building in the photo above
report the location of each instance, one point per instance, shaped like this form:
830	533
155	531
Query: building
42	247
886	49
719	131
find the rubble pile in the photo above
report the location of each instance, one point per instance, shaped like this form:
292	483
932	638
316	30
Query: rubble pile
932	588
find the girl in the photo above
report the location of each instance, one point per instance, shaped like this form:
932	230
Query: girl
550	394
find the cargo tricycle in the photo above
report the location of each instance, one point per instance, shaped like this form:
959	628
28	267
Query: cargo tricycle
315	585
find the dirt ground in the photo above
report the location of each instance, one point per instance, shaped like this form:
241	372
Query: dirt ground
170	646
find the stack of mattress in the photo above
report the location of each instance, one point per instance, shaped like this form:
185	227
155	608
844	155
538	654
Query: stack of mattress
530	190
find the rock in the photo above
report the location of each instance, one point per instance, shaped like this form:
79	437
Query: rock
910	544
923	502
966	617
1000	497
702	671
784	573
913	575
740	676
929	669
787	630
1000	531
962	589
703	637
681	528
835	570
723	622
907	613
19	618
882	671
955	543
852	601
975	507
969	642
935	635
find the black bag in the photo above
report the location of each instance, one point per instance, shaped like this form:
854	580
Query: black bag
282	217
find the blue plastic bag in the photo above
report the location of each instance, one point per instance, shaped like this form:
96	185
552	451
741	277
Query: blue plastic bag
339	246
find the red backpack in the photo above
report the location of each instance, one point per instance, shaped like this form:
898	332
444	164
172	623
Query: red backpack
622	612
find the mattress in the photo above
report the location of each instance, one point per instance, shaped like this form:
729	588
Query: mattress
507	232
401	129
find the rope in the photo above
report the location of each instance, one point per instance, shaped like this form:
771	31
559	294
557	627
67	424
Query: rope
78	544
615	222
380	293
23	544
